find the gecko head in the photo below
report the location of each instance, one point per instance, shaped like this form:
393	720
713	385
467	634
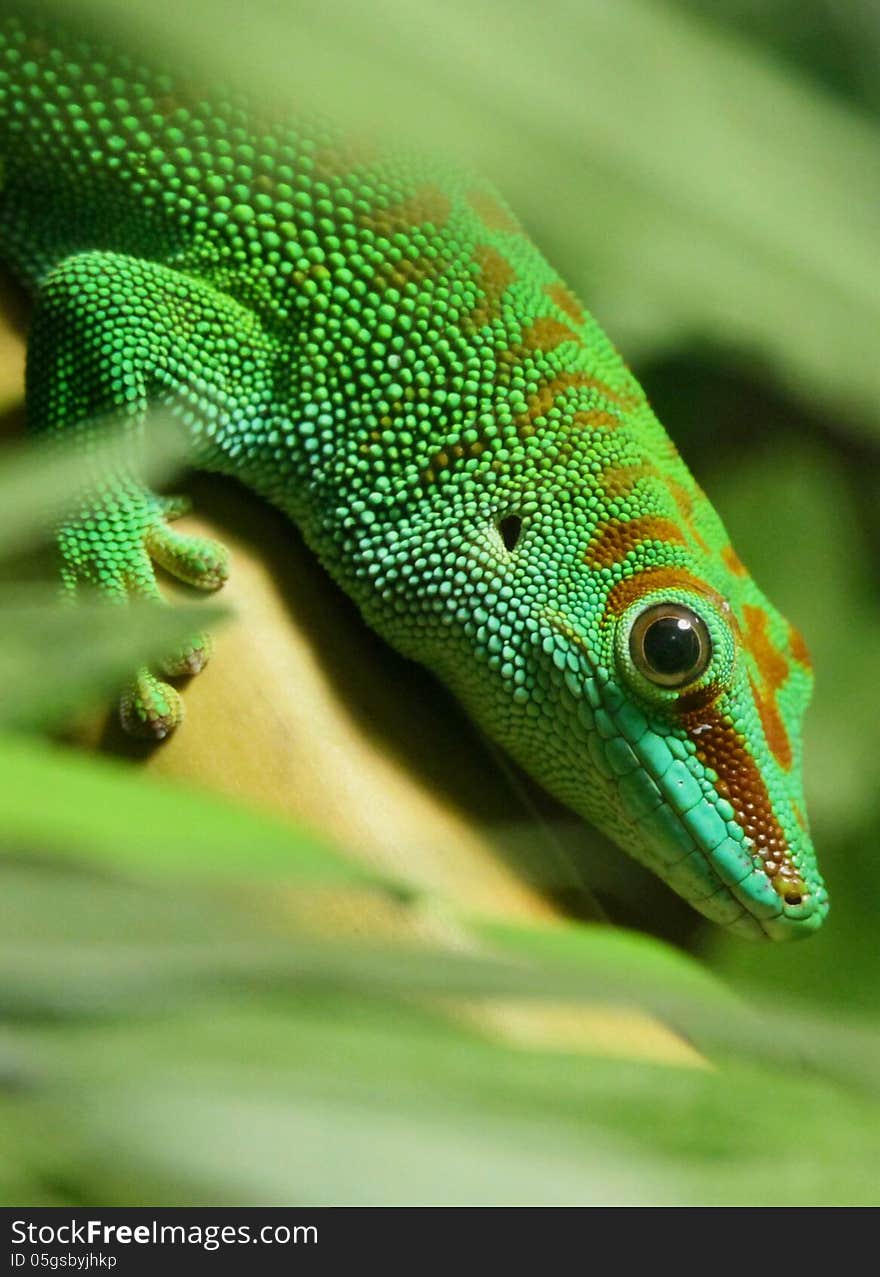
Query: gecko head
707	696
664	702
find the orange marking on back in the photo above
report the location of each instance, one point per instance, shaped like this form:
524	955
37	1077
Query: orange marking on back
546	334
619	481
596	419
566	301
451	454
409	270
495	276
429	204
492	213
343	156
616	540
550	391
682	498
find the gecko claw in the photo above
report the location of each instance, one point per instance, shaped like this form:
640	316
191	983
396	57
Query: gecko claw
189	659
150	709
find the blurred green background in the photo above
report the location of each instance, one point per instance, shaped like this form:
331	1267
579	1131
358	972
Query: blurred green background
707	178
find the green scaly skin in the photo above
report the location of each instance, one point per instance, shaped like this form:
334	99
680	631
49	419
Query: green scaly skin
371	342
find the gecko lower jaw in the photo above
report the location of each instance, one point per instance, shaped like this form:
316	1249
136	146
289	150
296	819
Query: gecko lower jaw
720	876
694	849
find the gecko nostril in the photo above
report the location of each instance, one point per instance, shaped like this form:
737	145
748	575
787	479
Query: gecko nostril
510	528
793	898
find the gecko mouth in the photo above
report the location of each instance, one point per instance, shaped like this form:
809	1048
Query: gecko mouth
708	841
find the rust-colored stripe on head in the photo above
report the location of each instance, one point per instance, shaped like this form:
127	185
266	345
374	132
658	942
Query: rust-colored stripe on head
733	562
183	98
773	726
685	502
492	213
652	580
720	747
799	649
773	670
36	47
566	301
616	540
772	665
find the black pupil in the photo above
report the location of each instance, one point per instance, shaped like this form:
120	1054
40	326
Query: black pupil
671	645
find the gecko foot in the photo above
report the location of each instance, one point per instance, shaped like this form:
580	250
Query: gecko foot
113	543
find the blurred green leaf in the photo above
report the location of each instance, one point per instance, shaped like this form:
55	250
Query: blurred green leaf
328	1101
43	479
106	813
838	44
56	658
80	945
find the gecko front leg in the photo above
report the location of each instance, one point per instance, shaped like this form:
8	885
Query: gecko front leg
113	335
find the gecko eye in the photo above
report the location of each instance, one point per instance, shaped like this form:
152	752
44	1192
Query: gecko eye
670	645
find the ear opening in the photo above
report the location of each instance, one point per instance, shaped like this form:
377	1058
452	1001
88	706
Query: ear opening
510	527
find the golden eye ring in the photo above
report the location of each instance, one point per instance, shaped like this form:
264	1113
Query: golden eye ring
670	645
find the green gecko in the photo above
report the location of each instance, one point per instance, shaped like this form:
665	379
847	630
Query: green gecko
369	340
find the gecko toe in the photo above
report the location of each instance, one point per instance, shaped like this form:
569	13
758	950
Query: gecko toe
189	659
150	709
196	560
